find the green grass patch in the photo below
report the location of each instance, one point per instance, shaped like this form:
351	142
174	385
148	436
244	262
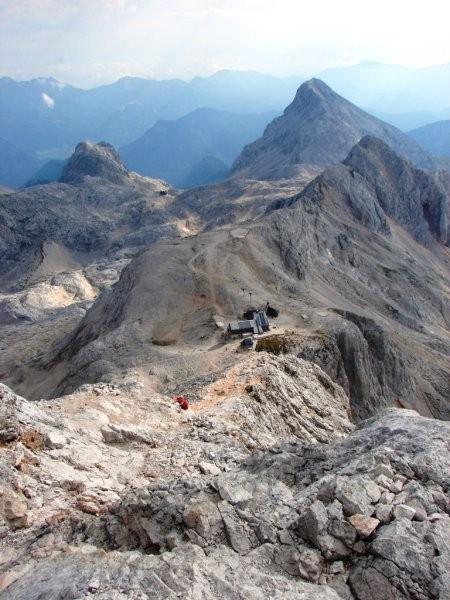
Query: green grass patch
275	344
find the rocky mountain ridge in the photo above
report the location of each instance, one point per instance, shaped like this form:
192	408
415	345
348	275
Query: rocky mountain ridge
375	300
374	182
95	160
101	495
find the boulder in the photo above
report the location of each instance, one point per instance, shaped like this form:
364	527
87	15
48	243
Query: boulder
357	494
403	511
16	512
364	525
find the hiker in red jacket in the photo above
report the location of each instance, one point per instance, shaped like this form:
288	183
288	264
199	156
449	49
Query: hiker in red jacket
183	402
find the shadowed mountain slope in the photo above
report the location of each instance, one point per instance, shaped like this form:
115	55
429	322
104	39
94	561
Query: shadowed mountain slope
170	149
208	170
50	171
319	127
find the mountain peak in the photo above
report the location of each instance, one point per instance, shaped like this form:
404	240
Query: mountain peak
316	86
94	160
319	127
313	91
371	145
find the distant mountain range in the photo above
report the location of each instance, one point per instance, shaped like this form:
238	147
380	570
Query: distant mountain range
434	137
45	119
171	150
15	164
317	129
46	116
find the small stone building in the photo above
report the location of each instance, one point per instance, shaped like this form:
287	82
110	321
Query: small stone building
258	324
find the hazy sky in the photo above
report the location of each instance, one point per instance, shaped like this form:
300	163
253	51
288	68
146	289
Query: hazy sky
91	42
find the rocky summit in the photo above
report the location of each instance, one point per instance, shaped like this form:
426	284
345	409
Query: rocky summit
94	160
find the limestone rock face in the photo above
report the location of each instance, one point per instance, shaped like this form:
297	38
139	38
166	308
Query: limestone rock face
64	462
415	199
305	505
96	442
375	184
287	512
361	356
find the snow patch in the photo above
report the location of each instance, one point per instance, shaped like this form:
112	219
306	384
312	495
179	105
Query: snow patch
48	100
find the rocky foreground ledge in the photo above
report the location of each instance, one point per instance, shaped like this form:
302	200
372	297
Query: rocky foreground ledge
263	489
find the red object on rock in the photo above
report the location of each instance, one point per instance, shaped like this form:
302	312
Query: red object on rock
183	402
